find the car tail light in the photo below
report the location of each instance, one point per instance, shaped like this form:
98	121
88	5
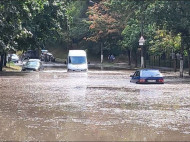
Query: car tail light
161	80
142	80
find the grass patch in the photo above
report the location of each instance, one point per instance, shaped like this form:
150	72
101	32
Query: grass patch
12	67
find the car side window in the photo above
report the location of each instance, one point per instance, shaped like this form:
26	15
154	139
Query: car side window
138	73
135	74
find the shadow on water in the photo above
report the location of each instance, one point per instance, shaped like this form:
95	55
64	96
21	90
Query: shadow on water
115	89
109	68
178	82
55	67
94	67
11	73
176	79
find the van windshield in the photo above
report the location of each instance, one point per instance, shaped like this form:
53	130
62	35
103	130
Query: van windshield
77	59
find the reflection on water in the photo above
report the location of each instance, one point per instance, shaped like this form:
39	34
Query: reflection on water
150	93
93	106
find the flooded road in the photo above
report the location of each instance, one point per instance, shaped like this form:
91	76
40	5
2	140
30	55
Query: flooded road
54	105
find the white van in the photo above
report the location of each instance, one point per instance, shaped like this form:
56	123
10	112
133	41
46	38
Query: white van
77	61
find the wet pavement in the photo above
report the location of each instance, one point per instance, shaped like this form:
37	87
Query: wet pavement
54	105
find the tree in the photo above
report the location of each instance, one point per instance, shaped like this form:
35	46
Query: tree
173	16
130	38
77	27
103	25
9	27
30	24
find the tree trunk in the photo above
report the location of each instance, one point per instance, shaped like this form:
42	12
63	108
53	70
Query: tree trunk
1	63
129	57
175	64
189	61
181	67
136	58
181	58
159	61
149	60
5	59
165	62
170	60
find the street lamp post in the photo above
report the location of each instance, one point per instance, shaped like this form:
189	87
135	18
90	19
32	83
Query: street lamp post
141	43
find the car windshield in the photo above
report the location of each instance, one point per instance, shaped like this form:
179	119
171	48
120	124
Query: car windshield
14	55
77	59
151	73
32	64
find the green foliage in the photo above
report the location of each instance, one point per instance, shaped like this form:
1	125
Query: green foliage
117	24
172	20
164	42
131	35
165	24
31	24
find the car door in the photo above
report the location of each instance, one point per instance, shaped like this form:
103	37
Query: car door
133	77
136	76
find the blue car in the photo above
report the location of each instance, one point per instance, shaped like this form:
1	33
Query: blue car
147	76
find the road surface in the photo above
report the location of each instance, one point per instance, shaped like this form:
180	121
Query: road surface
54	105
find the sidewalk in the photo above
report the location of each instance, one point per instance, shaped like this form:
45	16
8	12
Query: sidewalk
109	65
125	66
121	66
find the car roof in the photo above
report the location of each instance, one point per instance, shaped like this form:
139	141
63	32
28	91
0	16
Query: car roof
148	70
77	53
14	54
37	60
49	53
44	50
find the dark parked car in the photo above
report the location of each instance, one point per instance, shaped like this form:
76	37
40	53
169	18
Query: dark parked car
30	54
147	76
47	56
33	65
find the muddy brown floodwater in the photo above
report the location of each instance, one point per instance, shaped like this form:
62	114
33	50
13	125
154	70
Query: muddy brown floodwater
54	105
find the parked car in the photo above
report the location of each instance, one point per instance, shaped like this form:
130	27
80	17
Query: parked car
147	76
13	57
32	65
30	54
44	51
47	56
